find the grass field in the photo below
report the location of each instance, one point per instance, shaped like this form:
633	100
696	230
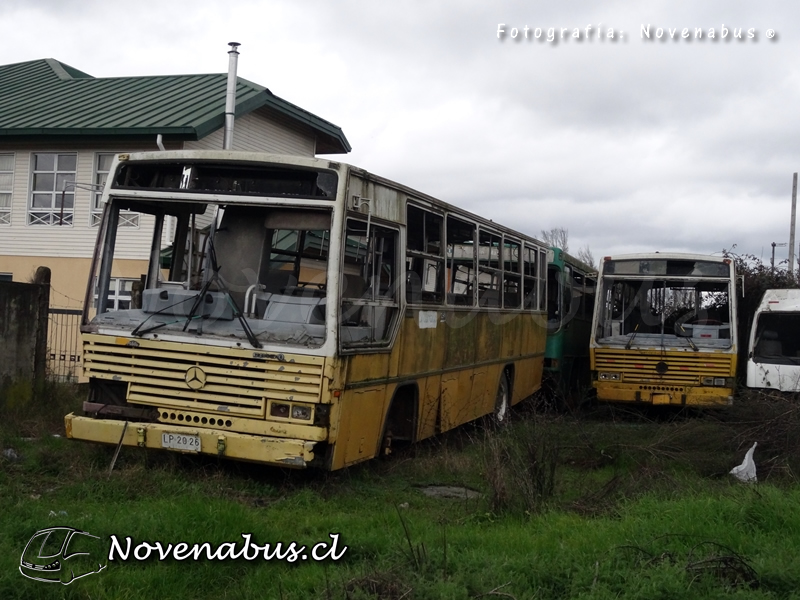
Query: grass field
606	504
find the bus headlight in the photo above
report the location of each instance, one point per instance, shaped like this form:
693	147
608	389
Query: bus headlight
279	409
301	412
608	376
285	410
718	381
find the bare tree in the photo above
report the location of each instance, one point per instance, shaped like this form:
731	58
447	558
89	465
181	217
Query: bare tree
558	237
585	255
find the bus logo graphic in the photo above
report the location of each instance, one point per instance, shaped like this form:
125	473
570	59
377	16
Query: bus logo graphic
195	378
61	555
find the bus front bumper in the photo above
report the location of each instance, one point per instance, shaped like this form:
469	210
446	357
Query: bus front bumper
693	396
255	448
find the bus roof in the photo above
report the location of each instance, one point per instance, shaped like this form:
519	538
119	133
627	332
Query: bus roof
318	163
666	255
780	301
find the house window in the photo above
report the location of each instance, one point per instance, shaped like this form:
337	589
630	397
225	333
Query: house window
52	198
119	294
102	167
6	181
6	277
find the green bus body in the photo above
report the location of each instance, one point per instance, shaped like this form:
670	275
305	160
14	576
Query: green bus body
570	303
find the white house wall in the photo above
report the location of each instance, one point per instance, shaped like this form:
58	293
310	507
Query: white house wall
263	130
69	241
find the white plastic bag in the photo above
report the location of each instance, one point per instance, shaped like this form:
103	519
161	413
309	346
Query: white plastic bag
747	470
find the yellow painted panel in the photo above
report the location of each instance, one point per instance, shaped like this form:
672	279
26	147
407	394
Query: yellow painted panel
360	425
225	393
201	351
695	396
430	393
137	396
490	336
461	339
528	377
97	361
456	405
420	349
274	427
365	367
261	449
481	381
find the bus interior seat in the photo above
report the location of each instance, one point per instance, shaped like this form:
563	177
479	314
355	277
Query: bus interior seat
353	286
293	309
278	280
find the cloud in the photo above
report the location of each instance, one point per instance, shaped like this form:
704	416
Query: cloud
631	144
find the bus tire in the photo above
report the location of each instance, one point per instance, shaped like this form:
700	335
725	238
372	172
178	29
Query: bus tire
502	403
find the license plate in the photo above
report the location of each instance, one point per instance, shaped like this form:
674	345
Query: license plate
180	441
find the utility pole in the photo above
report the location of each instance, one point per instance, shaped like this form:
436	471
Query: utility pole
772	263
791	227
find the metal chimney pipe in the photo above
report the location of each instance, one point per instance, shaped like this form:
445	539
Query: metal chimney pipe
791	227
230	98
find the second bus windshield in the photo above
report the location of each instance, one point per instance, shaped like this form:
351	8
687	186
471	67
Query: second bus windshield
655	312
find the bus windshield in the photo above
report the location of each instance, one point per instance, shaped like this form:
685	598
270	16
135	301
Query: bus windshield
218	270
660	311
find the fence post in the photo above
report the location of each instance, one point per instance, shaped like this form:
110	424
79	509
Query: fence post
42	279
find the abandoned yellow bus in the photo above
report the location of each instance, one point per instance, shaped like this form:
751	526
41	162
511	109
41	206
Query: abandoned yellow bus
664	330
300	312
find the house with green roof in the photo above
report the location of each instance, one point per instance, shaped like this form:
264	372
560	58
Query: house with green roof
59	130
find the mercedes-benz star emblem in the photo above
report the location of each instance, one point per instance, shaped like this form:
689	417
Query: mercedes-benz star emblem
195	378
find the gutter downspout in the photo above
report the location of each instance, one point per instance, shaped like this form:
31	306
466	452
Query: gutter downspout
230	98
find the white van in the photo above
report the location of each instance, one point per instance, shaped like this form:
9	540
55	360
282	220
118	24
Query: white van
773	358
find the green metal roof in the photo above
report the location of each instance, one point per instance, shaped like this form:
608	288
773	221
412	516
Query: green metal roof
48	98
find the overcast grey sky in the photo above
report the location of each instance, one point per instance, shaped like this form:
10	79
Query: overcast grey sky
633	144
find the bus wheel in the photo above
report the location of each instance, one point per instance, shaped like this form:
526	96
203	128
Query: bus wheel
502	403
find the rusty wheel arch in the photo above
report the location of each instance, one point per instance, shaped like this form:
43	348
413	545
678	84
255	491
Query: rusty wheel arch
400	421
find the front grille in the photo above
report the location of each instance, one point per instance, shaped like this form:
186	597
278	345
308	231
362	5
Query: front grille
684	368
235	382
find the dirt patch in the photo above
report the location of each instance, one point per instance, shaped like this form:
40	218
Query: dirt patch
452	492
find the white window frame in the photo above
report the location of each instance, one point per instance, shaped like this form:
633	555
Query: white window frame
116	293
5	211
53	215
126	218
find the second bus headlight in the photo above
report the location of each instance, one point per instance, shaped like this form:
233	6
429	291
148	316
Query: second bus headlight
608	376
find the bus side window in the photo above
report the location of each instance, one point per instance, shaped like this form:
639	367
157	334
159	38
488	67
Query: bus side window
542	274
589	295
369	285
555	295
460	262
489	268
511	278
424	260
531	285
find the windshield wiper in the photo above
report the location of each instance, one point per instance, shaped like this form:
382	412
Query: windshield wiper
688	339
139	331
214	278
633	337
159	325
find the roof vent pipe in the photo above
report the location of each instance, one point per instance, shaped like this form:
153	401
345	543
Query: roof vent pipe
230	98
